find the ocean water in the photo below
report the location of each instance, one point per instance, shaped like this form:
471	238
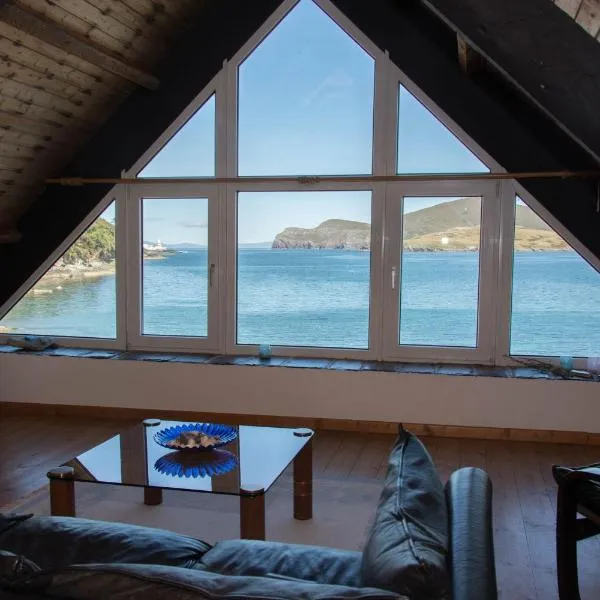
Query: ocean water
321	298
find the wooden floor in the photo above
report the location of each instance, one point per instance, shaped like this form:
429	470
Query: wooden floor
524	492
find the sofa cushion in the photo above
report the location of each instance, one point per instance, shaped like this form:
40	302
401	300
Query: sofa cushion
9	520
156	582
14	568
87	541
407	547
313	563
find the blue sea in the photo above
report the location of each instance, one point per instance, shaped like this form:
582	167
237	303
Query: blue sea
321	298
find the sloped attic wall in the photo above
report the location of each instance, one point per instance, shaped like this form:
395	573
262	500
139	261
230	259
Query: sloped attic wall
507	125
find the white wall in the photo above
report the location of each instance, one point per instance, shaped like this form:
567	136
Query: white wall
413	398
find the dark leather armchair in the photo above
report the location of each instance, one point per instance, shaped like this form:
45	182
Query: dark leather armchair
578	494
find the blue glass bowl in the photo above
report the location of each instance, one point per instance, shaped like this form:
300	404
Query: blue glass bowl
166	437
178	464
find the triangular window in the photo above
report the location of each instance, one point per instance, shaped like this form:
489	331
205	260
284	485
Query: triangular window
305	100
77	296
556	293
426	145
191	151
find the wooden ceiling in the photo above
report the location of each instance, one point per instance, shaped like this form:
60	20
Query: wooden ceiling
65	66
585	12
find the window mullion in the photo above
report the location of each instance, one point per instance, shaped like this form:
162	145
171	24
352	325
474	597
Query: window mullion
506	234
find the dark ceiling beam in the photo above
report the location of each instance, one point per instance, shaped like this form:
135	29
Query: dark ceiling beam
469	59
219	32
535	45
20	16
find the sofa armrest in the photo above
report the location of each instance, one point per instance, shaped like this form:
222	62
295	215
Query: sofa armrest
471	551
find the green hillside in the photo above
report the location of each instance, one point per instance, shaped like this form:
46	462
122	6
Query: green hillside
96	244
449	226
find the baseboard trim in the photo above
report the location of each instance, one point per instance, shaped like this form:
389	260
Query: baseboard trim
444	431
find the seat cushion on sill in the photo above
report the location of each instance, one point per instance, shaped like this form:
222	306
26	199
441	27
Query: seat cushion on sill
87	541
156	582
311	563
588	492
407	548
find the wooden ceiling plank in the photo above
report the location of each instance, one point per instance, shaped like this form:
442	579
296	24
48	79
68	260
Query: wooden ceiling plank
36	85
14	150
35	111
75	23
11	69
149	23
14	163
17	43
569	6
36	139
72	42
22	123
87	114
29	140
143	40
589	16
166	7
157	20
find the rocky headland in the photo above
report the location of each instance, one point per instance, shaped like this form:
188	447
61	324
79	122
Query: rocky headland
452	226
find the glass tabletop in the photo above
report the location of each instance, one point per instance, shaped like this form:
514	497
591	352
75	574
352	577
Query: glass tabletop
252	461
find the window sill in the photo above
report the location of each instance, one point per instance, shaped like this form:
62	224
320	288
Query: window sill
302	363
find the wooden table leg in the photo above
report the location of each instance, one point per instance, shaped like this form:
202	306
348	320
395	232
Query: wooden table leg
252	514
303	479
62	492
152	496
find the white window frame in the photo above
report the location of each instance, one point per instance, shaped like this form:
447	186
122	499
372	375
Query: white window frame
512	189
116	343
214	88
496	259
374	349
482	353
378	163
137	340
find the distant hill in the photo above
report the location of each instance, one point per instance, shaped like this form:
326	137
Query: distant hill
334	233
449	226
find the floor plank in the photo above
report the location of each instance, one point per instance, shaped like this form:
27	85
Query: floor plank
524	508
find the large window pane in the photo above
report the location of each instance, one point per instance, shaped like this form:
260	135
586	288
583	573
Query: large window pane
77	296
426	145
440	271
306	100
191	151
303	268
556	293
175	266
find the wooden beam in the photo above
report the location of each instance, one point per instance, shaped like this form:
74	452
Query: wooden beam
57	34
469	59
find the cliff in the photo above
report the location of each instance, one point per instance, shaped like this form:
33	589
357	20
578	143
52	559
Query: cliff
334	233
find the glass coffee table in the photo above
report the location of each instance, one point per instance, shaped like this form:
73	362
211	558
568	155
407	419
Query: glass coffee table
246	467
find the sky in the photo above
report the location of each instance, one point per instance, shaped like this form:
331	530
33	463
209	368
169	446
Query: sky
305	106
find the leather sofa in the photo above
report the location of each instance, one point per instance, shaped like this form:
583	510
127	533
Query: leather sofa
427	542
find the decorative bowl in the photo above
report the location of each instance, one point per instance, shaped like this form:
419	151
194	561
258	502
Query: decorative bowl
195	436
186	464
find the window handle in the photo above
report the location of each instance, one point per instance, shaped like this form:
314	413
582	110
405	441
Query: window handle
211	273
394	277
